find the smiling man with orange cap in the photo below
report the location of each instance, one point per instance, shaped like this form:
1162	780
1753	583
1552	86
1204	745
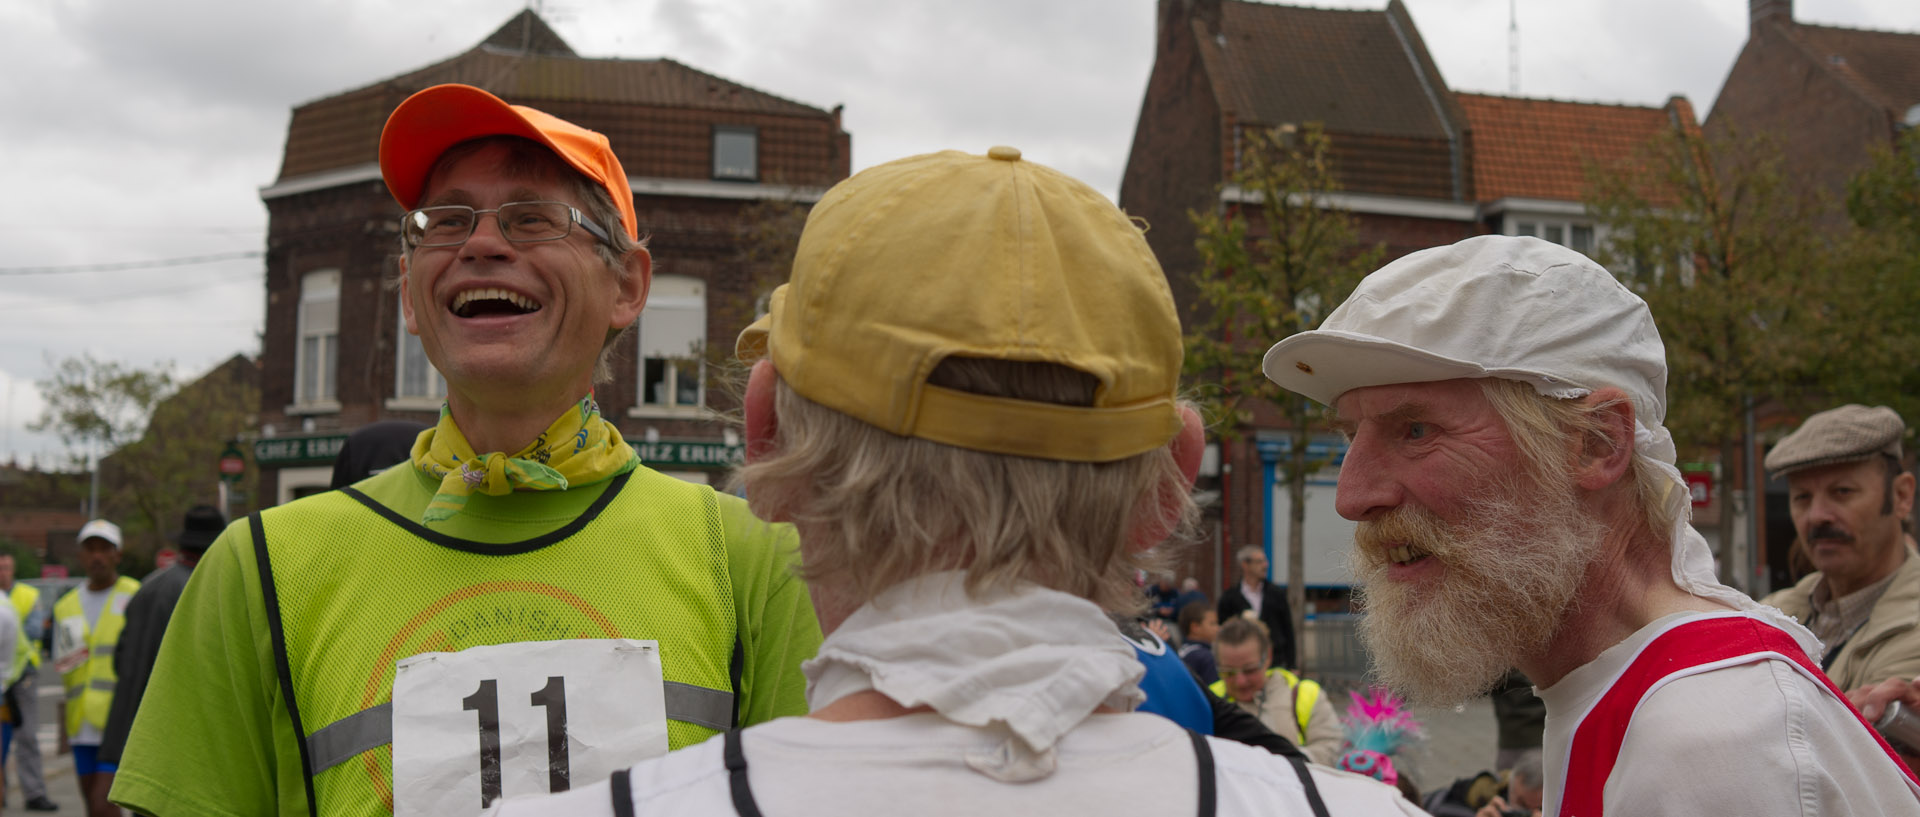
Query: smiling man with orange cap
524	605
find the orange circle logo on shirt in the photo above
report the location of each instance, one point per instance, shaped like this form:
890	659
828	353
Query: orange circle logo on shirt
479	614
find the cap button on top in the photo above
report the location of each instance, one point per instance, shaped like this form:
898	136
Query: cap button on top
1003	153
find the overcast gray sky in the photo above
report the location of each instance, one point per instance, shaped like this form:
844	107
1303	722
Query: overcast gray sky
133	131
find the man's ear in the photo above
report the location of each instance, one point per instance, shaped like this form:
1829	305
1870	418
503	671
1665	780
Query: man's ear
1605	459
1903	494
631	293
406	299
1190	445
1154	524
762	422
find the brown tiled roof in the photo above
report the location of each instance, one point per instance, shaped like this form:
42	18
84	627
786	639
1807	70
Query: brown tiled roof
1884	66
1351	70
527	33
344	130
1540	148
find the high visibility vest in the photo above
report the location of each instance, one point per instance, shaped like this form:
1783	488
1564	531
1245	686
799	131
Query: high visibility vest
90	683
355	589
1305	694
25	598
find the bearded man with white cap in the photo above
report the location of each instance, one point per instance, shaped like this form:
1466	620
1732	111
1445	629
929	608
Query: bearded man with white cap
1518	506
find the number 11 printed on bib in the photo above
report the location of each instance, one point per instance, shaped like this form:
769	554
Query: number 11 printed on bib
535	717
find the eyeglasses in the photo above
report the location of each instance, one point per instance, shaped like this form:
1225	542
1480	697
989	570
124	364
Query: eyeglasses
1230	672
520	221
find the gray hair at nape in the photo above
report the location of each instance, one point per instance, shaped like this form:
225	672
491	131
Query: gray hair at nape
876	509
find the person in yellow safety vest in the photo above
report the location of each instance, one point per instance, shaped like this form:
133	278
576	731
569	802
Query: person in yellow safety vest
22	692
1288	704
87	622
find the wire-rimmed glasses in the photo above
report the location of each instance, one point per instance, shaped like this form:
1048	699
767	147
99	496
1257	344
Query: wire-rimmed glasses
451	225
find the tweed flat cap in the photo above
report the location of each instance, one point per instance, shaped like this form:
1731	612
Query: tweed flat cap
1850	433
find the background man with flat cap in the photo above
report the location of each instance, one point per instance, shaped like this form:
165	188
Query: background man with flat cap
1518	506
522	606
967	405
1848	494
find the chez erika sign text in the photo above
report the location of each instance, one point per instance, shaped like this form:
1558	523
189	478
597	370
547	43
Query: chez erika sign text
699	454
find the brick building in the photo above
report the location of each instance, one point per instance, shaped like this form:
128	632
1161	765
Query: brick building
1827	96
1421	165
700	152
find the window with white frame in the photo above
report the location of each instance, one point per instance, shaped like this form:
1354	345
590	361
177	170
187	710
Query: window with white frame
1570	234
736	153
673	335
316	366
415	380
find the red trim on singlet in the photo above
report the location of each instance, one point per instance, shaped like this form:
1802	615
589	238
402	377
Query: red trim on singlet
1722	640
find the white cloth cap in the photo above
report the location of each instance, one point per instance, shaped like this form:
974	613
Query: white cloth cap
1492	306
100	529
1516	308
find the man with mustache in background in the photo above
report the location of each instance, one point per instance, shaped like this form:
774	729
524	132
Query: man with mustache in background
1848	493
1518	506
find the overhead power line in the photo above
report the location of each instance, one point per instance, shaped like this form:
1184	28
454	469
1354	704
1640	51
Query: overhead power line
124	266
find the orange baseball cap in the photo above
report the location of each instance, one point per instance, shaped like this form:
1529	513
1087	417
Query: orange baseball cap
429	122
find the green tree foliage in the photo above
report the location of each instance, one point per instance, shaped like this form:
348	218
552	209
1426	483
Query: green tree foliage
767	240
1762	296
1726	251
1871	356
26	560
98	405
1269	269
166	441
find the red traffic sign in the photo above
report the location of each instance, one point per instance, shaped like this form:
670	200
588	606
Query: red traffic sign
232	463
1699	487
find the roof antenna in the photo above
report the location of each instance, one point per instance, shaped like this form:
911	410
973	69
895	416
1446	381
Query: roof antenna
1513	47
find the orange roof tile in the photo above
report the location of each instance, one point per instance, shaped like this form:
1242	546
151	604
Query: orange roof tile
1540	148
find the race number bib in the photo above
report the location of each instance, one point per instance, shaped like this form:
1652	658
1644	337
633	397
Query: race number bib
69	644
473	726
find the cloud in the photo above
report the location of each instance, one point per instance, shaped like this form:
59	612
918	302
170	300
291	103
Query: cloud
139	130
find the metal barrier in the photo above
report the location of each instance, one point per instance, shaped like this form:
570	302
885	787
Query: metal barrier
1330	652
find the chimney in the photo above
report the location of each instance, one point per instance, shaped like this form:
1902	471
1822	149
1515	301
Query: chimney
1760	11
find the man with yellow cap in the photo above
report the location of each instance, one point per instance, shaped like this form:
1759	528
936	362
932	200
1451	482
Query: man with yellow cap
523	606
967	405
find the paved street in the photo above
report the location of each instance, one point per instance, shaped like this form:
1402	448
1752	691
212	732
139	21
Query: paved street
1460	742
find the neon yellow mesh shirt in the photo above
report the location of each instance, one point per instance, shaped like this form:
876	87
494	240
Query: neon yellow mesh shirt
213	734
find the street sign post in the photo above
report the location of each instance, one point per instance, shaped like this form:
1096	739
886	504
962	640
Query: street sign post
233	463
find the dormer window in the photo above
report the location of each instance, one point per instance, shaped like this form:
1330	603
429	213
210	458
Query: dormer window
736	153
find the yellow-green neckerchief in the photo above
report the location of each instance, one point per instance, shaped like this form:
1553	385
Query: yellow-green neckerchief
580	448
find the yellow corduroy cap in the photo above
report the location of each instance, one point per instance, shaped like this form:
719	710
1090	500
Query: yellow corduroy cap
950	254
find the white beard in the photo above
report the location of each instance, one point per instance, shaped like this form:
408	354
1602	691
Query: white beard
1513	566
